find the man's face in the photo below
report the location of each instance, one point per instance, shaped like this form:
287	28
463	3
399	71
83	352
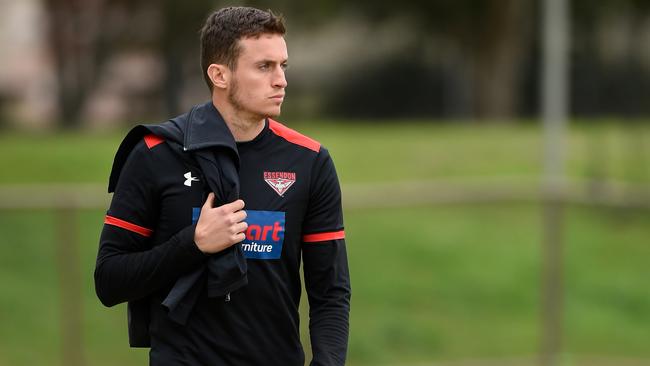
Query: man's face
257	84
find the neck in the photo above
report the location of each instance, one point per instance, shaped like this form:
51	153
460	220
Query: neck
243	126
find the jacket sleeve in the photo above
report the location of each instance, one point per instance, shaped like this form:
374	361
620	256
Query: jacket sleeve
128	266
327	278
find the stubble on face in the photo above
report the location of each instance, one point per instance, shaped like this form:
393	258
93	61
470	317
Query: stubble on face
233	97
236	101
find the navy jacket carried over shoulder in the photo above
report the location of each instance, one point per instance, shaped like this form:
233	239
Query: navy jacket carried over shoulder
203	137
176	294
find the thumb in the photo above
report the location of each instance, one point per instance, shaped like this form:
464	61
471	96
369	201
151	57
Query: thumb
209	202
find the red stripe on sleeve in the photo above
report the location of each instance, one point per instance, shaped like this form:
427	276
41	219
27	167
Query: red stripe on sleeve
311	238
152	140
110	220
293	136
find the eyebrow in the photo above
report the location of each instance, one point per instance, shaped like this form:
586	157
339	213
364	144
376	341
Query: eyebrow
267	61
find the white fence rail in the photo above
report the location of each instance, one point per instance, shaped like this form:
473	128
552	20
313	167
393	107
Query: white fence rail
397	194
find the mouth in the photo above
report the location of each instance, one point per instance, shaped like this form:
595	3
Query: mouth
277	97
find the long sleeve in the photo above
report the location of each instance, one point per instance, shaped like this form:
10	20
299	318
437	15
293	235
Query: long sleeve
327	277
328	288
128	266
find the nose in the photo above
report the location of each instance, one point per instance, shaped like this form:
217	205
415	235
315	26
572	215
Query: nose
279	79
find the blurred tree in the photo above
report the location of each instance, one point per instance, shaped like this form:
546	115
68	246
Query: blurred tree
77	40
84	34
493	47
179	45
494	39
612	70
493	36
496	43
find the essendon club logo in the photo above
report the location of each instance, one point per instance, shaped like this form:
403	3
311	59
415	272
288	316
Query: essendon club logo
280	181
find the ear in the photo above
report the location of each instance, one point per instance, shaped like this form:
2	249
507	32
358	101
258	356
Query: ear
219	75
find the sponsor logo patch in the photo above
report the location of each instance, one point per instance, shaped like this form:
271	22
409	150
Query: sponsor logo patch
265	234
280	181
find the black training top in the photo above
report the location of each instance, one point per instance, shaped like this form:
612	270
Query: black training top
293	205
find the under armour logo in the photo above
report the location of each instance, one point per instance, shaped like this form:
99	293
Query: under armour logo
189	179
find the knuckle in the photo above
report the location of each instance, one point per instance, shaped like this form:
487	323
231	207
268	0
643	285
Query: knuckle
199	233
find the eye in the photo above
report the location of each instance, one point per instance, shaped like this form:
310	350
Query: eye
284	66
264	66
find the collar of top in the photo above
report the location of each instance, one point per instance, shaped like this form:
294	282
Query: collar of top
205	128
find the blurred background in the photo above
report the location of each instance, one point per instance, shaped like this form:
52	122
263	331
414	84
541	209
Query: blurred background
461	251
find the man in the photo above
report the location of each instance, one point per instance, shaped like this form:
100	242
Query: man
207	281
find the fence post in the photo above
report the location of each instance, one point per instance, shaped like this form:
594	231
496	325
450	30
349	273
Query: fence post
554	106
67	257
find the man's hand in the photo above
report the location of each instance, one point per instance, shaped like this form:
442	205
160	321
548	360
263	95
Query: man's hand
220	227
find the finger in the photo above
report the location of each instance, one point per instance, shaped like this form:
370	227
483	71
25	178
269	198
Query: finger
239	237
240	227
233	206
209	202
239	216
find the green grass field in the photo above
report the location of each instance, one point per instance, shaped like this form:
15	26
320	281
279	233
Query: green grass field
438	283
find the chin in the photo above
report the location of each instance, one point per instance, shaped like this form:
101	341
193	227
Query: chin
273	113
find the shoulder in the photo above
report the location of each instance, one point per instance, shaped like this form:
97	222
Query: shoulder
146	148
318	157
144	156
293	136
134	152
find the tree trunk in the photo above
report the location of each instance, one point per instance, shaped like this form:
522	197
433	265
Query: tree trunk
74	28
500	44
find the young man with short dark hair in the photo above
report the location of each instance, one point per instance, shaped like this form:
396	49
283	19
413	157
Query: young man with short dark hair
213	212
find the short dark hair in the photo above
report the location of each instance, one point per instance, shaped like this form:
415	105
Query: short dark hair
224	28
